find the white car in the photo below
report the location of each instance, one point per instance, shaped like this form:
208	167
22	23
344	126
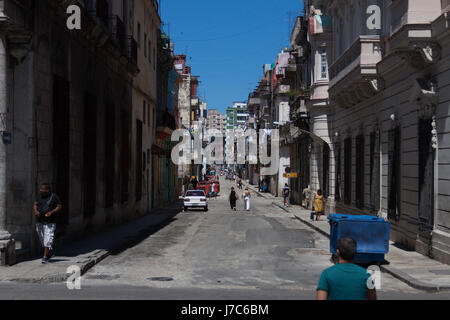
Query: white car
195	199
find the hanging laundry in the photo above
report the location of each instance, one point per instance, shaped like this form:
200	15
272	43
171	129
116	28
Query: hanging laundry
320	24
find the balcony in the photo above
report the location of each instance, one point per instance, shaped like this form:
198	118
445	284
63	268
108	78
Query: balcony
16	13
353	76
415	44
16	19
117	30
195	102
98	9
132	52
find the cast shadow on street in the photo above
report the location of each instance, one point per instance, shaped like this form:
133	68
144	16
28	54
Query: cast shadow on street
116	239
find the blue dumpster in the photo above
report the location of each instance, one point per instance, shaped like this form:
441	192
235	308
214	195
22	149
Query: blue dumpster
371	234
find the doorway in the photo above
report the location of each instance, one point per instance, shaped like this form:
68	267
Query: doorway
89	156
61	145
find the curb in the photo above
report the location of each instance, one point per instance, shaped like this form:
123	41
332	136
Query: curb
398	274
281	207
257	192
311	225
96	257
412	282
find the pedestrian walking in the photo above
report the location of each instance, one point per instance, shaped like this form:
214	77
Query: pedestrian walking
45	209
319	204
345	280
305	198
212	191
240	183
246	195
194	182
233	197
286	192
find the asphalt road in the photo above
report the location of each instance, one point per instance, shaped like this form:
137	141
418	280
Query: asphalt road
220	254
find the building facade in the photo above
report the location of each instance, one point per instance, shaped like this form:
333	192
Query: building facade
77	118
216	120
387	117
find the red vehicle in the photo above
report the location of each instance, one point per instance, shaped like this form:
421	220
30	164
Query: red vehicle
205	186
217	187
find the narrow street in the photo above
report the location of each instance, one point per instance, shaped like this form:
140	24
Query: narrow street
220	254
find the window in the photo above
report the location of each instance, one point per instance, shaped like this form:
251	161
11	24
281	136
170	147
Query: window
359	168
139	35
323	64
144	107
149	50
348	171
145	47
144	162
374	171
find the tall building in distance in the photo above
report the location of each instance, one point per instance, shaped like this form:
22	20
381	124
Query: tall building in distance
237	116
216	120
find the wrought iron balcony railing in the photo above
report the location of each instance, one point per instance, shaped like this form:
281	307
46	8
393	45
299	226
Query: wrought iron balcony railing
117	30
132	52
98	9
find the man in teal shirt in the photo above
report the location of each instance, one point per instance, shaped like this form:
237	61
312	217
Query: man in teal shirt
345	280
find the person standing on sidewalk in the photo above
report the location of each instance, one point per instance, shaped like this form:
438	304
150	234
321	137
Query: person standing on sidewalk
232	197
319	204
246	195
240	183
45	209
286	192
345	280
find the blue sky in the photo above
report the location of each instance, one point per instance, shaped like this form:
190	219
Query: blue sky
227	42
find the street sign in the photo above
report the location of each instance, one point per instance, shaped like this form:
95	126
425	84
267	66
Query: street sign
290	175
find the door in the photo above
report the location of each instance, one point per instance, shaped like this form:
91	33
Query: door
394	174
139	160
337	187
326	170
426	175
61	145
89	156
110	138
125	155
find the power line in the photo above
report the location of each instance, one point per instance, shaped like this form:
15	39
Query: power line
230	36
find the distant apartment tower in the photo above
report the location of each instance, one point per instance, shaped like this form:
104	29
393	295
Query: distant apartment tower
237	116
216	120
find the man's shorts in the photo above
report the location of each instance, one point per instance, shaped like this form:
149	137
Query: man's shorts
46	233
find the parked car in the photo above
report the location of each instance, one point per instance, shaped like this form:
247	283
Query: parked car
195	199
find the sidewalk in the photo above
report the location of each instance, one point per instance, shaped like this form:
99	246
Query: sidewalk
88	252
413	268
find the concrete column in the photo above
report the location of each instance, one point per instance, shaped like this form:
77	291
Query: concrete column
7	250
3	109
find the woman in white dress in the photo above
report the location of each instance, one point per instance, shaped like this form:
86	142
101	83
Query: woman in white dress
246	195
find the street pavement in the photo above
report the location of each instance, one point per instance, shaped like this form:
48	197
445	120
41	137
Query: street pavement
267	253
